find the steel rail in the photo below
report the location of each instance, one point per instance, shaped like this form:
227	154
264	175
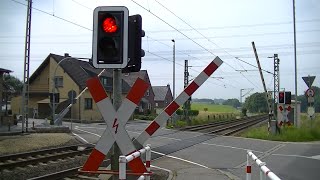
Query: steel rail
35	157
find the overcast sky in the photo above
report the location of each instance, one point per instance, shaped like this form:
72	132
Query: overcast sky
223	28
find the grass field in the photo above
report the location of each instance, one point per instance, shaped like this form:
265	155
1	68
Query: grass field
214	108
304	133
214	113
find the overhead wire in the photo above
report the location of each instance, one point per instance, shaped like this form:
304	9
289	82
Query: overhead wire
179	65
68	21
176	29
239	26
226	36
54	16
206	38
173	27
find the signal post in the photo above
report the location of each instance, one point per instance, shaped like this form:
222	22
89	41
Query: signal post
116	44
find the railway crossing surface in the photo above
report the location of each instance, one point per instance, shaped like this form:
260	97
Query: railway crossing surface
190	155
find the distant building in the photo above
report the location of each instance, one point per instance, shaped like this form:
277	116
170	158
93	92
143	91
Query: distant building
163	97
3	94
71	75
147	103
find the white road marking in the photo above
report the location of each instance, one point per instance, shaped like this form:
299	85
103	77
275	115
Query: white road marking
80	137
173	157
157	167
163	137
209	144
290	155
316	157
232	147
245	138
88	132
88	127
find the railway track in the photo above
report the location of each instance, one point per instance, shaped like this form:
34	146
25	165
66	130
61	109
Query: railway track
227	127
41	156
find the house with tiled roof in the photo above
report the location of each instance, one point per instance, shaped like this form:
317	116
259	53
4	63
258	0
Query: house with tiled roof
147	101
163	97
71	75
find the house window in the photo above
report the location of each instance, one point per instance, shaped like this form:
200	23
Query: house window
157	105
148	92
149	106
58	80
87	103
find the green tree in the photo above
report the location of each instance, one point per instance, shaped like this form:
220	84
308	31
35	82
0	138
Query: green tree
256	103
232	102
13	82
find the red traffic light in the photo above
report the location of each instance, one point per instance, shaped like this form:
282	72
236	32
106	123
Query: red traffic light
281	98
109	25
281	94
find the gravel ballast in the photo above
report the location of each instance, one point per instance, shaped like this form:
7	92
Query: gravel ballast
37	141
34	141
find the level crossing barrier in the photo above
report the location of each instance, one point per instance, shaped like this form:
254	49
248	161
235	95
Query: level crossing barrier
123	160
264	171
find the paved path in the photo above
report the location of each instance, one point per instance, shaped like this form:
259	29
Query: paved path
218	157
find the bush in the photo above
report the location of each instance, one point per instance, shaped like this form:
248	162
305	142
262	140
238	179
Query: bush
169	126
180	124
194	112
191	112
244	112
196	122
179	112
150	117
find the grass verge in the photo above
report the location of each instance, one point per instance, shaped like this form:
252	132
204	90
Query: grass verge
289	134
213	108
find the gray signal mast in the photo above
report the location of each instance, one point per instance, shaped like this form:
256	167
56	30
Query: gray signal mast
25	91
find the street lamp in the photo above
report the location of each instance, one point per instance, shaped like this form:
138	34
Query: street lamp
242	95
54	87
174	68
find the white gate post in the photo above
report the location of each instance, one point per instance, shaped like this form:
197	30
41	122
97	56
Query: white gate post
248	167
122	167
148	159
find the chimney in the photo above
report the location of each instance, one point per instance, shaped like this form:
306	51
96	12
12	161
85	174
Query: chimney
66	55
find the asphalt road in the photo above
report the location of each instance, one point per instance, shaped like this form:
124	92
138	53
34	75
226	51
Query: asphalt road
287	160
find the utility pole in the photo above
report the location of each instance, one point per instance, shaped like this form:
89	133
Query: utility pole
117	91
186	105
25	91
276	76
271	115
174	68
295	66
242	95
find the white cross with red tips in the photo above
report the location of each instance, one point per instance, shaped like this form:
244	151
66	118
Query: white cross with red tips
116	120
